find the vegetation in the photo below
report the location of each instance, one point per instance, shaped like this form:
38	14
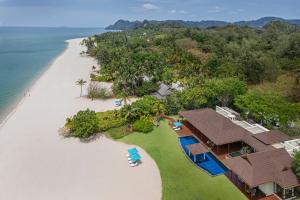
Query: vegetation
179	53
268	108
81	83
110	119
83	124
209	93
117	123
143	125
119	132
177	172
95	91
214	65
148	106
296	163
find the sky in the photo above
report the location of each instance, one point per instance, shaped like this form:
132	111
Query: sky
100	13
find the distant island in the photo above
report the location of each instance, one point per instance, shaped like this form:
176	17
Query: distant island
259	23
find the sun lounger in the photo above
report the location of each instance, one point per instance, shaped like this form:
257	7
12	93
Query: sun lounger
132	151
134	164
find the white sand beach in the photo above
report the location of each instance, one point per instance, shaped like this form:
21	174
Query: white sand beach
37	164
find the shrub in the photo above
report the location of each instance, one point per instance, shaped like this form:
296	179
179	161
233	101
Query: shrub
83	124
101	78
109	119
95	91
143	125
147	106
291	131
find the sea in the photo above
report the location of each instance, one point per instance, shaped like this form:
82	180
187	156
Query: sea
25	53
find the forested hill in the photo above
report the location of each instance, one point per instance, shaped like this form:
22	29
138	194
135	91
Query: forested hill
255	71
259	23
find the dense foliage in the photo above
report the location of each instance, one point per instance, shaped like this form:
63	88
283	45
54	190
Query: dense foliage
148	106
178	53
143	125
209	93
296	163
213	65
83	124
268	108
110	119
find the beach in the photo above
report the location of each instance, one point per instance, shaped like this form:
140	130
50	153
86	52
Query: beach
37	163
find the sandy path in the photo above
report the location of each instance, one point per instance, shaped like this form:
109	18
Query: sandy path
37	164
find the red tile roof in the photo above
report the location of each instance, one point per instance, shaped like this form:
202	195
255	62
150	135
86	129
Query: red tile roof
272	137
219	129
216	127
264	167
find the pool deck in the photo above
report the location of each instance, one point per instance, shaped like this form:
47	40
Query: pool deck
184	131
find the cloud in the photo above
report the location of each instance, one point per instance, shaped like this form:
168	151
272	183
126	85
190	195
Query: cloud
150	6
173	11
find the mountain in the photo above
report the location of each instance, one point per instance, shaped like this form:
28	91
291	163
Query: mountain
259	23
124	25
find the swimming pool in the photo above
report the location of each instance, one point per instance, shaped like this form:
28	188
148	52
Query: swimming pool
206	161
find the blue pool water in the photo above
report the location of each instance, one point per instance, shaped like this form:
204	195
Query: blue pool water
206	161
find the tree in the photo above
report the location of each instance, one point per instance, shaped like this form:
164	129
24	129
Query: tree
81	83
267	108
148	106
223	91
296	87
296	163
193	98
173	103
292	49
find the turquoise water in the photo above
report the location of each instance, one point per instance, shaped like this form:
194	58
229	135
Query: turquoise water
25	53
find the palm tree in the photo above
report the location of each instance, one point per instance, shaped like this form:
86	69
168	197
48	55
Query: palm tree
81	83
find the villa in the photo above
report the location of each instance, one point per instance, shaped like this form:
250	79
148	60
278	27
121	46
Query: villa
257	160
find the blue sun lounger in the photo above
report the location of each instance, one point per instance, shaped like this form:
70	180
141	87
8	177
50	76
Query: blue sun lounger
178	124
135	157
132	151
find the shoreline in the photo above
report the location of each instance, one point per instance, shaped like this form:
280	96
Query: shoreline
37	163
12	108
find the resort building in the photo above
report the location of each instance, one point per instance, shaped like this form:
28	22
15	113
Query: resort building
257	160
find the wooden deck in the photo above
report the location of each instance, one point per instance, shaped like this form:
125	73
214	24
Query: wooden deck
184	131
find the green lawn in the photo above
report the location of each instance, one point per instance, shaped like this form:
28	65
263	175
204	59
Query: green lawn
181	179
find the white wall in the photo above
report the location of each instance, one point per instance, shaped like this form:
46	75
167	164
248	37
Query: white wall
267	188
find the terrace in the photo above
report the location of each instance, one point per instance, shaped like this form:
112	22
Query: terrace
292	146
